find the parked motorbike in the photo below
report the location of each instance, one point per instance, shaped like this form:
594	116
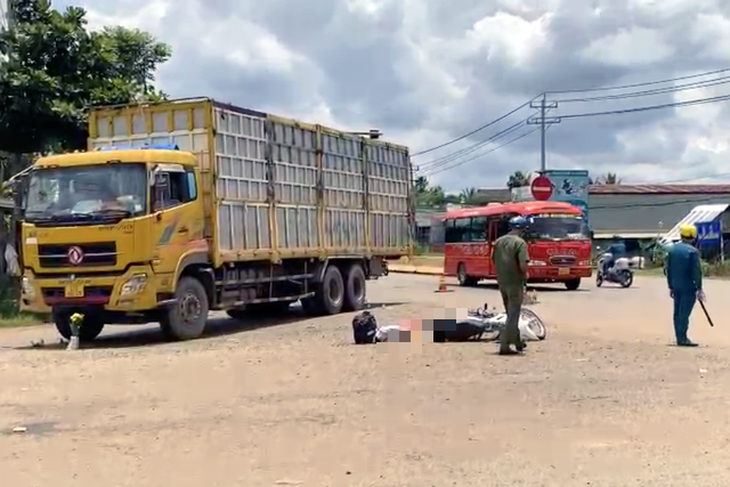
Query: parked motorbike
621	272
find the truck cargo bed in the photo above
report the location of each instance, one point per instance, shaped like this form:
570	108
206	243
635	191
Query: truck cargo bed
275	187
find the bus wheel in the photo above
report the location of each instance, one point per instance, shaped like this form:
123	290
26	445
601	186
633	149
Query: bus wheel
573	284
464	278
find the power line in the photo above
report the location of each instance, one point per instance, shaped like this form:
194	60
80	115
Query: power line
709	199
486	153
639	85
556	92
452	141
657	91
455	155
698	101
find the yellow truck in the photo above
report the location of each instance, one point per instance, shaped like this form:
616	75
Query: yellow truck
193	205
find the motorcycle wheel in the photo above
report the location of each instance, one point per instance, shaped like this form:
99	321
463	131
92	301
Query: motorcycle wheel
599	280
627	278
535	323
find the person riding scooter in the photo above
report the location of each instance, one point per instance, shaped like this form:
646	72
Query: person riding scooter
617	250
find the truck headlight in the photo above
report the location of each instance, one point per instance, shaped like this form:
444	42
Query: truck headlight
27	287
135	285
584	263
537	263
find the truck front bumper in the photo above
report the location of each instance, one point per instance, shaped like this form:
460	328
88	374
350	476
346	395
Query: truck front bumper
135	290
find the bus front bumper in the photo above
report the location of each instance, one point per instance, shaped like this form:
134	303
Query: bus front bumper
557	274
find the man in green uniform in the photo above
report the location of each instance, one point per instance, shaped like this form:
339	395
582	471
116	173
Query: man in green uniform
510	259
684	277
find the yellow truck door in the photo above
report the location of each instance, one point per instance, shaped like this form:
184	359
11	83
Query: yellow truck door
178	225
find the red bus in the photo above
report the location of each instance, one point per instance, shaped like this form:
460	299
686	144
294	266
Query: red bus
558	242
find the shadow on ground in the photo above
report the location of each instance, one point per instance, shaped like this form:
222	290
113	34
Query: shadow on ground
150	334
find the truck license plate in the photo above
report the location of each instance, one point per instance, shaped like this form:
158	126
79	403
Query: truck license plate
563	271
74	290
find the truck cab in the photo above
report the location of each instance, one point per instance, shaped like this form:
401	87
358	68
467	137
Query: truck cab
105	232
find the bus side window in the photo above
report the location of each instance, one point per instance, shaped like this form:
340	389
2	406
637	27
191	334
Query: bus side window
479	229
503	225
449	236
462	230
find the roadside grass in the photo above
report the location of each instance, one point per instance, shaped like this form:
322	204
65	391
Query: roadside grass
19	320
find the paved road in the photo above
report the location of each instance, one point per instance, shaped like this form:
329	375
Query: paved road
604	401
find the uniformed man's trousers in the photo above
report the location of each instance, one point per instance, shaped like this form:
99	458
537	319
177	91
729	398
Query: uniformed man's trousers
512	297
684	301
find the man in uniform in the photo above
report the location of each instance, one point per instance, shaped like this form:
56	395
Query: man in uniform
510	259
684	277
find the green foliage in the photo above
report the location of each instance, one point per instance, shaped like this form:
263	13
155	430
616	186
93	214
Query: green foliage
55	69
518	179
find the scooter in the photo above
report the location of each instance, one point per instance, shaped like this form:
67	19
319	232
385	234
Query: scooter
621	272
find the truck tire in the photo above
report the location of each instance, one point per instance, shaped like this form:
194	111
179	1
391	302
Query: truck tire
186	319
90	329
330	296
355	288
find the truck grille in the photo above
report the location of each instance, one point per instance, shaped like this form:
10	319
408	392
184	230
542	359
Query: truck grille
93	255
562	260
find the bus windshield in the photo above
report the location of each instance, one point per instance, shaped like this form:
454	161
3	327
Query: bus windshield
557	227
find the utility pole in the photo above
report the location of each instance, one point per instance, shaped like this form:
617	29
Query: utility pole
543	120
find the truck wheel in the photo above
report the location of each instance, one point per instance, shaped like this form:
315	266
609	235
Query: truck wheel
355	290
573	284
186	319
90	329
331	294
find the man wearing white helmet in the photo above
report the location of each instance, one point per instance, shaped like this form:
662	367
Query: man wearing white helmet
684	277
510	259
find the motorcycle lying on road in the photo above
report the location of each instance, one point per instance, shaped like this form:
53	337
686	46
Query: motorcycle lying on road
492	323
620	272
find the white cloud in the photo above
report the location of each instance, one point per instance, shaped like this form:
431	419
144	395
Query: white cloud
427	71
630	47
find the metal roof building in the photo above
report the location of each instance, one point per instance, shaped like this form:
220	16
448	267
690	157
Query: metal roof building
648	210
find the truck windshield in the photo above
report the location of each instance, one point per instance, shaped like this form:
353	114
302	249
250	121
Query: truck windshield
101	193
557	227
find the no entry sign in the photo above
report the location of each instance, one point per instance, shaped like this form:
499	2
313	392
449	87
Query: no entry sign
542	188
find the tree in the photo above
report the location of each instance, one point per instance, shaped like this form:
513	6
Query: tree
611	178
426	195
467	195
518	179
56	69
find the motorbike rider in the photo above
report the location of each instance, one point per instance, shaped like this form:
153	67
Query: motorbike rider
617	250
510	259
684	277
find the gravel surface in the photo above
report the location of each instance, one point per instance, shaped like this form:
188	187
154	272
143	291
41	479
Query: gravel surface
603	401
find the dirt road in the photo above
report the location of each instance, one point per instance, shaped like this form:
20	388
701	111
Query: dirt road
604	401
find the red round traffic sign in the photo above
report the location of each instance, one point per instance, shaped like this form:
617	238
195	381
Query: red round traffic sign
542	188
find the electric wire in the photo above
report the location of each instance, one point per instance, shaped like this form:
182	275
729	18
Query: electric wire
557	92
511	141
656	91
479	129
433	164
